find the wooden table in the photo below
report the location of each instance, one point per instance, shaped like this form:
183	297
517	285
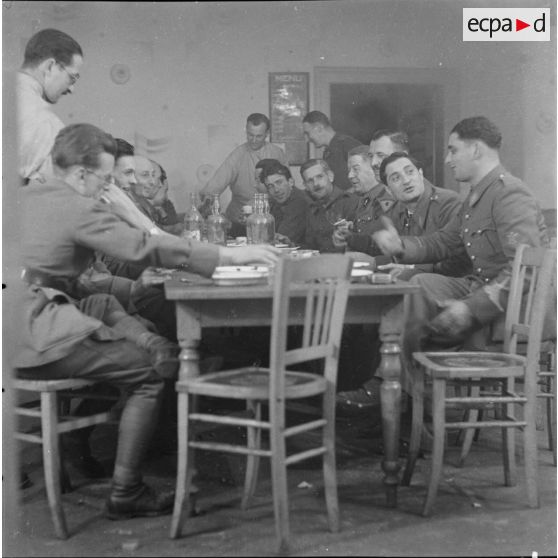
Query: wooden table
201	304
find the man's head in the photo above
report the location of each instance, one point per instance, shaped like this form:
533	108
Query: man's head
145	176
125	166
361	174
402	174
318	178
261	165
257	129
83	156
317	128
159	193
54	59
384	143
473	144
278	181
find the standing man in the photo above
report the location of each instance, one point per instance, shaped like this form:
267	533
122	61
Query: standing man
238	170
329	205
51	66
384	143
288	204
318	130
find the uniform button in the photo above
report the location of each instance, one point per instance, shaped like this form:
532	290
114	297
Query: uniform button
501	176
466	230
467	216
479	269
468	244
486	279
473	257
479	231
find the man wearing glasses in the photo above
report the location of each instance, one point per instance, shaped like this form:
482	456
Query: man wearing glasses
50	69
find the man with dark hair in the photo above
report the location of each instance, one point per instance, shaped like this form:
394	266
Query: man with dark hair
420	209
384	143
238	171
498	214
67	335
288	204
50	69
329	205
318	131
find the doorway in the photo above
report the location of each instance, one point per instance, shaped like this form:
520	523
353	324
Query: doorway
360	101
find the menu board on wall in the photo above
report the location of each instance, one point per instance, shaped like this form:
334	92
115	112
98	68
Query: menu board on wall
288	104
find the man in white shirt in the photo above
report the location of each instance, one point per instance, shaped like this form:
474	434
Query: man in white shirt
238	170
50	69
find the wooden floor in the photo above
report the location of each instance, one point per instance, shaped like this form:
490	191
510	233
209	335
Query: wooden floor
475	515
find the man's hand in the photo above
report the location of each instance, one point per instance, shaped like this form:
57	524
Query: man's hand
454	321
341	233
282	239
388	239
257	253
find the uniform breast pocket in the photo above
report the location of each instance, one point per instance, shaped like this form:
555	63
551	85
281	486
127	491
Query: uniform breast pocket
485	237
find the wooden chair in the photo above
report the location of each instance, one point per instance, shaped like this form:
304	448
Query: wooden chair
315	290
546	381
490	378
54	417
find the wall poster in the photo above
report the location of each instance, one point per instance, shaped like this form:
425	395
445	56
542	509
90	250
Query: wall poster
288	104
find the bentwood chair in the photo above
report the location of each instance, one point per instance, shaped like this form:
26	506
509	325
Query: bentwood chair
52	411
491	379
314	291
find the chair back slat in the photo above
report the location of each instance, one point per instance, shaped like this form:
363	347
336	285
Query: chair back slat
532	278
327	279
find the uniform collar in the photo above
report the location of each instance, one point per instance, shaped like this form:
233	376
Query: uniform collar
479	189
335	195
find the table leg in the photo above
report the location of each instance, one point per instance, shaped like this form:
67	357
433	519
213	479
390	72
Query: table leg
189	337
390	396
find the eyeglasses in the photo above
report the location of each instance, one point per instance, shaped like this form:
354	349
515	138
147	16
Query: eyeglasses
107	179
73	77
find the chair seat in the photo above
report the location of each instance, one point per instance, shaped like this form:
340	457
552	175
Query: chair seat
464	365
51	385
252	383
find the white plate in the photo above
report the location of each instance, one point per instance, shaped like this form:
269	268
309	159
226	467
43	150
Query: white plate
240	275
360	264
360	274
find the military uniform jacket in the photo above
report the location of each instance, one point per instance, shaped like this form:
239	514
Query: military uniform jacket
371	206
61	233
290	217
322	214
498	214
435	209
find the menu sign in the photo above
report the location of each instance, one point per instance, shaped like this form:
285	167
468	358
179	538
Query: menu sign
288	104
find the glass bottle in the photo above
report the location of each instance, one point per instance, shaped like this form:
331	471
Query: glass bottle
193	220
270	220
216	223
256	224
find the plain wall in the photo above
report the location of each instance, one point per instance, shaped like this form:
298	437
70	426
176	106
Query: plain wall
198	69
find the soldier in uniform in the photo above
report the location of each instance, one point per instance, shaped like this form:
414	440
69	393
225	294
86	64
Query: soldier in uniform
373	200
329	205
65	335
420	209
498	214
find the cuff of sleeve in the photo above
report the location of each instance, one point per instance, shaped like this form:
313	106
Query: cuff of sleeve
205	258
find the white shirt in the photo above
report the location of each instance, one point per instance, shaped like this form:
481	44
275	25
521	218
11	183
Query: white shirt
37	129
